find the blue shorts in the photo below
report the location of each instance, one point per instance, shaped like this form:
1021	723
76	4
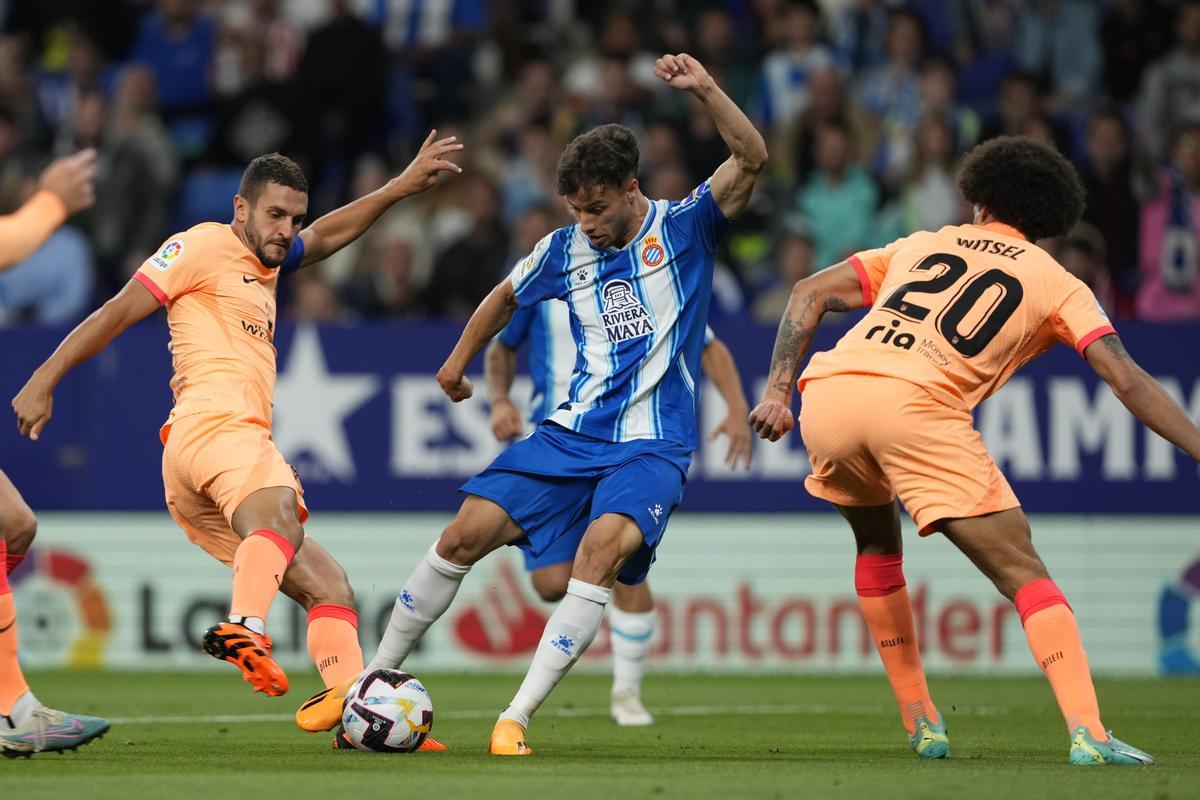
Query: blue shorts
556	482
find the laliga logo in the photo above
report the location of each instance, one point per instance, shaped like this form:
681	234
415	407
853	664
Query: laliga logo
167	255
652	253
68	573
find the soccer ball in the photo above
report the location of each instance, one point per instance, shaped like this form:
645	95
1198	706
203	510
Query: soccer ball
387	711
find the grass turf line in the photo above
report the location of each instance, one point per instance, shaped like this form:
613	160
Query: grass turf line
825	736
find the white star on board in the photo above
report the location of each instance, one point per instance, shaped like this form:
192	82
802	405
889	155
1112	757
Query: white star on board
311	406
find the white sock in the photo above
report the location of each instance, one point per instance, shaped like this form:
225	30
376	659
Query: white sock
23	708
571	628
631	635
426	595
255	624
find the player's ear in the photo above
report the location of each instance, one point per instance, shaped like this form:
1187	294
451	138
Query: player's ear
631	189
241	209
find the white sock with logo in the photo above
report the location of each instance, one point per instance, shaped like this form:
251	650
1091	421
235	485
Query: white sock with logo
631	634
426	595
571	628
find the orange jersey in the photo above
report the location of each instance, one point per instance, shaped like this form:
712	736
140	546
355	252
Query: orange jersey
958	311
221	312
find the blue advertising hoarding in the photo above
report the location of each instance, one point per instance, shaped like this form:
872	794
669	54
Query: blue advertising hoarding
360	415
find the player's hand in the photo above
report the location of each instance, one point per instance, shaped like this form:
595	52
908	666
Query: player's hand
734	426
455	385
681	72
507	423
431	159
772	420
72	178
34	405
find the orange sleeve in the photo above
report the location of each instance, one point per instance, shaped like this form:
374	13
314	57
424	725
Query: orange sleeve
872	267
1078	319
26	229
174	270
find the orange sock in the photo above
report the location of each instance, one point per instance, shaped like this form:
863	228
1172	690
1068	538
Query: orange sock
333	643
1054	639
12	680
258	567
883	599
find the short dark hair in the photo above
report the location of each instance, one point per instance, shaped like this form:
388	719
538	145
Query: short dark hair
271	168
604	156
1025	184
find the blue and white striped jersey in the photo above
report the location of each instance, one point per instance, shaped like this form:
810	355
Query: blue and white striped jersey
637	319
552	351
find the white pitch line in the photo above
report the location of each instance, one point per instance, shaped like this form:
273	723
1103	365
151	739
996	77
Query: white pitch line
469	714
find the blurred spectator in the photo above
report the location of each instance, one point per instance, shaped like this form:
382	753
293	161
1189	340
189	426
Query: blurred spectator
891	93
786	72
1134	33
177	42
472	265
793	258
794	156
983	34
839	200
313	299
1170	244
1112	206
930	198
725	54
1056	40
342	78
1082	254
939	98
53	286
135	173
261	115
264	21
385	283
1170	93
84	72
1020	101
859	32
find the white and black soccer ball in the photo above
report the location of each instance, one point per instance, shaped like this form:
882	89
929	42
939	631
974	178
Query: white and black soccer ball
387	711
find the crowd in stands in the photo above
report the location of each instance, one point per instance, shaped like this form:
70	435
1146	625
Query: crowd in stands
867	107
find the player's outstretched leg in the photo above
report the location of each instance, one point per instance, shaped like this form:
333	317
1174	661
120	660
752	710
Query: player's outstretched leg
610	541
27	726
883	599
269	525
480	527
631	620
1001	545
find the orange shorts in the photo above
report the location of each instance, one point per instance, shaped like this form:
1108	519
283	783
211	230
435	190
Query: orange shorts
213	461
871	438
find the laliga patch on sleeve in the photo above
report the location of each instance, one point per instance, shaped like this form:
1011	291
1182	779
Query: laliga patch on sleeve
164	258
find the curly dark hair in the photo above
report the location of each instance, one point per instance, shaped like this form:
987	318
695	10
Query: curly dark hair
271	168
1025	184
606	155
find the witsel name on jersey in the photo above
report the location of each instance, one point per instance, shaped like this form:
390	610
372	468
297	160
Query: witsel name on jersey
624	315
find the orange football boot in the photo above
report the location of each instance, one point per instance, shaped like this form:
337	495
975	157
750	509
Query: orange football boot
323	711
250	652
508	739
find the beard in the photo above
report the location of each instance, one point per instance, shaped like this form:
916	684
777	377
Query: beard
256	242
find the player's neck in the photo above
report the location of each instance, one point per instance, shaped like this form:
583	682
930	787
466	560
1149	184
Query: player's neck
641	207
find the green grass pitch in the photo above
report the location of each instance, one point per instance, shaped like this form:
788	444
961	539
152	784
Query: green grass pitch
184	735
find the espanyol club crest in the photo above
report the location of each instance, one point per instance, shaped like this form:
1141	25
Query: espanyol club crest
652	252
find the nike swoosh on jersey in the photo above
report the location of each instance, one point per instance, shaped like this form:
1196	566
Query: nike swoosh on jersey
248	279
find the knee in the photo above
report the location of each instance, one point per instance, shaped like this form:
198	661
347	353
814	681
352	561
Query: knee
461	544
335	591
550	588
19	527
599	560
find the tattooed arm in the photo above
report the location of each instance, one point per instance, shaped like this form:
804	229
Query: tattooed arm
1142	395
834	289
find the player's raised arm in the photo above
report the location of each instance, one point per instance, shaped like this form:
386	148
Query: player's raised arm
34	403
342	226
838	288
733	181
65	187
1142	395
493	314
717	363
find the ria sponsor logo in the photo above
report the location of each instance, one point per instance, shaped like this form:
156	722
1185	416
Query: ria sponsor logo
904	341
